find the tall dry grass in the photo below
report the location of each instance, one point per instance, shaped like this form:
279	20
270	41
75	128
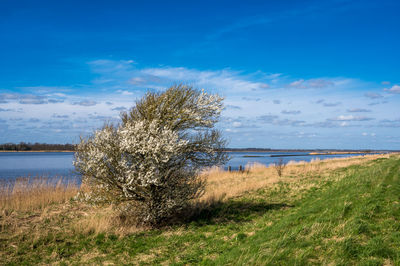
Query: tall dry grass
223	184
28	194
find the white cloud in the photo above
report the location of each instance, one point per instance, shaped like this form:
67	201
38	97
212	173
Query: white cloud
125	92
28	98
297	84
58	94
137	80
320	83
331	104
50	90
119	108
85	103
358	110
370	134
376	103
236	124
291	112
373	95
351	118
311	84
273	76
32	99
394	89
233	107
223	80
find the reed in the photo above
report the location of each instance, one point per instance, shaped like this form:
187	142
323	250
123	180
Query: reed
33	193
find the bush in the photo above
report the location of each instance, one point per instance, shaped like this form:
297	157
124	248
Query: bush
149	163
279	167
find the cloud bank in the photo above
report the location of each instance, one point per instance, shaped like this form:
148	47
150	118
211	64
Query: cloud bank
259	106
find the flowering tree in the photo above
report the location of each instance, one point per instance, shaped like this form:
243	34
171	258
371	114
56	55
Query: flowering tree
152	159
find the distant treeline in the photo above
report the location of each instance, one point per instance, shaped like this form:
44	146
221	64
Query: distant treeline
22	146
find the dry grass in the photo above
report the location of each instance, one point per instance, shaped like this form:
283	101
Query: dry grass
224	185
100	219
28	194
27	203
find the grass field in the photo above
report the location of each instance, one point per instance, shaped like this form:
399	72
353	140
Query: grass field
339	212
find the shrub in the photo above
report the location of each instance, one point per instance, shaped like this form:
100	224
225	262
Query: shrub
279	167
149	163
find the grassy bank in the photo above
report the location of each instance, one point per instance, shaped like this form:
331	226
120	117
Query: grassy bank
340	211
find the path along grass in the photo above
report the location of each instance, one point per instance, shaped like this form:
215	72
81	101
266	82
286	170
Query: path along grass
341	215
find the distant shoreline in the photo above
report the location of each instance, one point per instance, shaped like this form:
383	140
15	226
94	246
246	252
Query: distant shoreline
37	151
308	152
313	152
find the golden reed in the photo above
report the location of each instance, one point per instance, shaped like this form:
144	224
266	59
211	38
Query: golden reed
32	193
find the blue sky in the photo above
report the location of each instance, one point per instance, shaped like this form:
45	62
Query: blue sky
294	74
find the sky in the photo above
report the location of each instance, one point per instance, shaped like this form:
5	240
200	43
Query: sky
294	74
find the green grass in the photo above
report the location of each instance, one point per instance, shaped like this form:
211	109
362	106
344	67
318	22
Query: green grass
351	216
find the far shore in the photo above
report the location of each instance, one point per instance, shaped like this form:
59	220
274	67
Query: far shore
341	152
37	151
315	152
306	152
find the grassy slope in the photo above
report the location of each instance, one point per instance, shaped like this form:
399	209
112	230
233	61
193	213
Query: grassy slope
354	220
348	216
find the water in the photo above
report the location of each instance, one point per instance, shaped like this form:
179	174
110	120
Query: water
244	158
59	164
33	164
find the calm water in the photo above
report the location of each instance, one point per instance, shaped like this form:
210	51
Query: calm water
48	164
244	158
55	164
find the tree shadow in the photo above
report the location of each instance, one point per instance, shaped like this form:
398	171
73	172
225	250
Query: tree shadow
232	211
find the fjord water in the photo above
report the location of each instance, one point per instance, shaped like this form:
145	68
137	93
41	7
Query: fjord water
267	158
59	164
36	164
